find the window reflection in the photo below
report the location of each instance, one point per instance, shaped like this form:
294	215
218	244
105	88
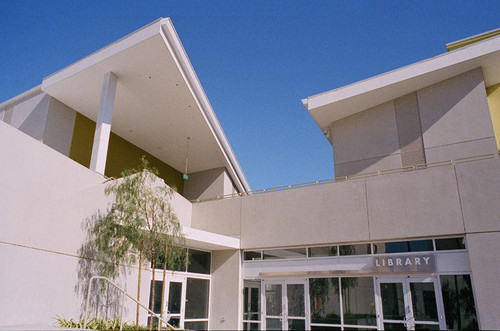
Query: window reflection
289	253
358	301
458	300
360	249
450	244
324	300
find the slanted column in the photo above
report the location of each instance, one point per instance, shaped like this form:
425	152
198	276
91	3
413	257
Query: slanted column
103	125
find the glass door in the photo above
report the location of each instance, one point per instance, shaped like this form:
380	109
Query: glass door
284	305
174	309
411	303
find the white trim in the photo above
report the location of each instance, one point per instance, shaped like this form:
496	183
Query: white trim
224	242
108	51
381	88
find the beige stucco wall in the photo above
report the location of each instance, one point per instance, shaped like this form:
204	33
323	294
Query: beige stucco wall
226	298
328	213
45	198
409	204
219	216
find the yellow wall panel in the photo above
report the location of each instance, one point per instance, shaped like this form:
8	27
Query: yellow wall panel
121	154
493	93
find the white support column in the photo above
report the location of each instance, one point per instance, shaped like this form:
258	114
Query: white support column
103	125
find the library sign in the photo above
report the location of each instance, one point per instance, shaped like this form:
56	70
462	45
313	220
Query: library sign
404	263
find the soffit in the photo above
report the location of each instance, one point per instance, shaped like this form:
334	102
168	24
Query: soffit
155	107
345	101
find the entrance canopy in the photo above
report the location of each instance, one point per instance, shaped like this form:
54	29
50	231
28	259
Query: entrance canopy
159	101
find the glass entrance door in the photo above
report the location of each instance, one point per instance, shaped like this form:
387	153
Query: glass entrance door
173	304
284	305
412	303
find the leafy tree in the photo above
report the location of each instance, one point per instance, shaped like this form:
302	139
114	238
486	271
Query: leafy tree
140	222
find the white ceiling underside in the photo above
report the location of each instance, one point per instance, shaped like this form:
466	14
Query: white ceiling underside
345	101
155	106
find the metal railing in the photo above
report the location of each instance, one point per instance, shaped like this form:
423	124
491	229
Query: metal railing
357	176
123	303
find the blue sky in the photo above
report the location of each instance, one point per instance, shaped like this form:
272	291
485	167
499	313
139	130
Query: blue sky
255	59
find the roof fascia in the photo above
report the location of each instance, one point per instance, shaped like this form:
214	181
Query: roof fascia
21	97
114	48
174	45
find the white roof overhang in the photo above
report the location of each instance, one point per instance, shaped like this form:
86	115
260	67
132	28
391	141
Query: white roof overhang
336	104
159	100
208	240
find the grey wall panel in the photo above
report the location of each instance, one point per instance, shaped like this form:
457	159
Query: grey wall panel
30	115
59	127
483	252
455	110
409	130
413	204
313	215
461	150
369	165
479	184
368	134
205	184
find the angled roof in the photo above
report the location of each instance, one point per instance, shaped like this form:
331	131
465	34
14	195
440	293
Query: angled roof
159	100
336	104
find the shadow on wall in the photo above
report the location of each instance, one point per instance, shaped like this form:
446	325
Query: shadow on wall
105	300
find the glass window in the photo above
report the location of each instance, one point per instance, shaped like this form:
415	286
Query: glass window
423	299
252	255
450	244
290	253
197	291
251	301
360	249
458	300
358	301
199	262
324	300
403	246
273	300
323	251
393	307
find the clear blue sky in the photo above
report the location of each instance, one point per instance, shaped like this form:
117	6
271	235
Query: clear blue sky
255	59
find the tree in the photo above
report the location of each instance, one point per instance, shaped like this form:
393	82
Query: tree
141	220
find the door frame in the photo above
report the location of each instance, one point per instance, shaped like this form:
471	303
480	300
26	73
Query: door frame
406	280
284	301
